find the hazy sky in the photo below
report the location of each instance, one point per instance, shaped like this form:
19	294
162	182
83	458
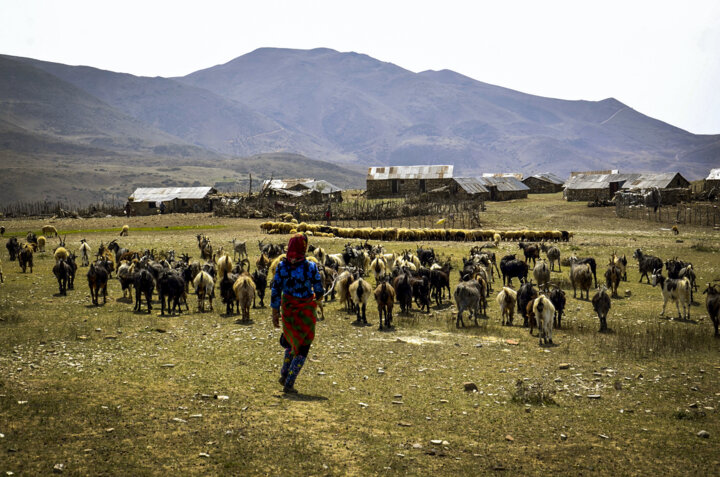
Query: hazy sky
659	57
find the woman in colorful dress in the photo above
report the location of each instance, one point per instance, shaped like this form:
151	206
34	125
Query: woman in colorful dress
296	288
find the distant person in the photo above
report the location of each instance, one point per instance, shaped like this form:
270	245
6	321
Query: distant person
128	209
162	207
328	215
296	288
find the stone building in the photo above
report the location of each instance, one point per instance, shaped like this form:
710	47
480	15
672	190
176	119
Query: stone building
404	181
505	187
149	200
590	187
544	183
308	190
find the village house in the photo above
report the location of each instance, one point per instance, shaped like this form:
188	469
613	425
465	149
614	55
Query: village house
544	183
403	181
311	191
151	200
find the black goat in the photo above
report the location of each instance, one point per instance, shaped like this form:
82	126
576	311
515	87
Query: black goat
144	285
525	295
601	305
97	276
13	248
403	291
61	270
25	258
712	303
227	294
73	269
426	256
171	286
557	298
421	292
531	251
259	277
647	264
513	268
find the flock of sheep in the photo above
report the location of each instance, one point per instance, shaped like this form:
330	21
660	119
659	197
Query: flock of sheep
405	278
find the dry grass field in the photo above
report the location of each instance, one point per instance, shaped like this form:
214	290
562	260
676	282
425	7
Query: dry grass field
106	391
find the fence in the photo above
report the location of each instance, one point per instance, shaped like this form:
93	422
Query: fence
61	209
703	214
361	212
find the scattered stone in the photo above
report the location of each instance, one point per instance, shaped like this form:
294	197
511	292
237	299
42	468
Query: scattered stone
704	434
593	396
160	330
400	455
478	345
444	401
563	437
58	468
499	467
694	388
693	405
404	424
363	404
221	397
470	386
628	293
398	402
417	446
603	436
204	455
177	419
398	396
321	373
512	342
564	365
509	438
82	337
436	442
168	365
195	416
110	429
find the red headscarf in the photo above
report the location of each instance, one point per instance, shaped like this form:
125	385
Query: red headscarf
296	248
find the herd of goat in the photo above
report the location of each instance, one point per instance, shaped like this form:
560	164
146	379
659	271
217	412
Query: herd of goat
421	278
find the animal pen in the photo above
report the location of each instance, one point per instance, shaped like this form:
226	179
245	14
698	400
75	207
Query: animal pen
703	214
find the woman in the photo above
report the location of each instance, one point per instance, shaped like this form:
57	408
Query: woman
296	286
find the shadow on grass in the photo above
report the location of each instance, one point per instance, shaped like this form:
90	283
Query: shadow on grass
360	324
240	321
303	397
679	320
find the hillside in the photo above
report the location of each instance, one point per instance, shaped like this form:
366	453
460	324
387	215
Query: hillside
90	133
379	113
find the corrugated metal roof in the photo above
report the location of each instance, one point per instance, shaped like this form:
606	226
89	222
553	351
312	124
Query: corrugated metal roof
410	172
301	185
516	175
648	181
504	183
164	194
284	183
471	185
714	175
597	181
548	177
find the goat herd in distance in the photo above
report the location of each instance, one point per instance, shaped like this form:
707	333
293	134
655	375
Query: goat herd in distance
405	278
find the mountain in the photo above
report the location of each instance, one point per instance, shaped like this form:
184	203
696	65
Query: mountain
81	133
379	113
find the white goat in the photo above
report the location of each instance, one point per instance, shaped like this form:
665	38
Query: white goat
507	299
676	290
360	292
85	253
204	287
544	312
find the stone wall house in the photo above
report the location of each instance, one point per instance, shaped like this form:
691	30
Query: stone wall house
149	200
404	181
544	183
505	188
